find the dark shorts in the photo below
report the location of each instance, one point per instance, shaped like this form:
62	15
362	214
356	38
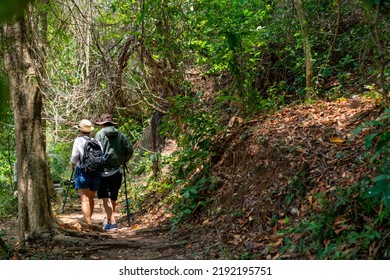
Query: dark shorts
109	186
86	181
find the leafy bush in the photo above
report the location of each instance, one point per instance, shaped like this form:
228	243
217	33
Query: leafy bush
378	144
191	162
348	228
8	202
59	160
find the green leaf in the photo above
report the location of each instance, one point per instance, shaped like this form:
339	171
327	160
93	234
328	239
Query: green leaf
386	198
140	170
369	140
193	191
186	194
380	178
153	158
374	123
356	131
376	190
9	9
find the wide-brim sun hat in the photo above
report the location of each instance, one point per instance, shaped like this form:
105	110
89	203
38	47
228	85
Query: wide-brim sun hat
84	126
105	119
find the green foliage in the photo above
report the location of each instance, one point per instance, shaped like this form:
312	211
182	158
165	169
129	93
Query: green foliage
350	227
59	160
4	98
131	129
232	39
378	145
297	187
191	162
10	9
381	5
8	202
140	184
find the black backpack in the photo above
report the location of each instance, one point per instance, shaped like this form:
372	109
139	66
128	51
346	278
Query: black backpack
92	162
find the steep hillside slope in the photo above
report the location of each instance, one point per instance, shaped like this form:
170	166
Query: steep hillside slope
276	171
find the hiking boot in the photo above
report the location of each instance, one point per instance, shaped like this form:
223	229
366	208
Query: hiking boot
111	227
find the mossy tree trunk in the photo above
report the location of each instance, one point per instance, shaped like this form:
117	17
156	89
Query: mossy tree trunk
23	71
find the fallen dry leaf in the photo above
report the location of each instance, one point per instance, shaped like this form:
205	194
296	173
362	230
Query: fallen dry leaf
337	140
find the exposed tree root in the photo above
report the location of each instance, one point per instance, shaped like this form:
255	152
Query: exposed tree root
69	240
76	234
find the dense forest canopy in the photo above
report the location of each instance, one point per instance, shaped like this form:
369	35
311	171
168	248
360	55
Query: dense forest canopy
183	69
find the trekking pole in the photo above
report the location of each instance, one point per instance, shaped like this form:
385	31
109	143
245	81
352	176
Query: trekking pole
127	200
67	190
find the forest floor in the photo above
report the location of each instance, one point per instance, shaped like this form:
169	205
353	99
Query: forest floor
268	171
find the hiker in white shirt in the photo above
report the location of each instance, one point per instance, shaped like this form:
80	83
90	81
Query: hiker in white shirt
86	184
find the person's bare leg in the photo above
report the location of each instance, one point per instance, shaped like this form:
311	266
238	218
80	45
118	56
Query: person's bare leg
109	211
85	207
113	203
91	197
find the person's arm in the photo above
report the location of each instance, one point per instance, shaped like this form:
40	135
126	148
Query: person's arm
75	157
100	138
128	149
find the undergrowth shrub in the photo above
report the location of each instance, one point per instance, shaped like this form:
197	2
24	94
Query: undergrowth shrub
351	222
348	225
191	163
8	201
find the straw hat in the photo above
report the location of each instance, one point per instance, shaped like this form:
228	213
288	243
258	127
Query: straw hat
104	119
84	125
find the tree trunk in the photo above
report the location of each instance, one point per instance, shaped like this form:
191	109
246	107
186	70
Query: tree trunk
306	44
35	215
